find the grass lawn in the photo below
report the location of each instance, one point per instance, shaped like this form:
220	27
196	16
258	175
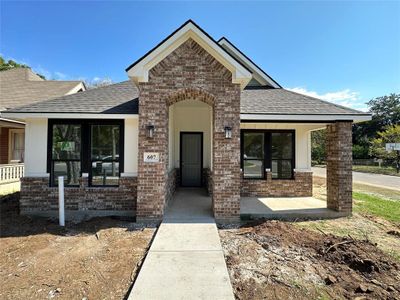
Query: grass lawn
377	205
376	170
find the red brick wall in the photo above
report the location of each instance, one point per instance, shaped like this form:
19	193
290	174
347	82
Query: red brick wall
339	176
4	145
300	186
189	73
36	195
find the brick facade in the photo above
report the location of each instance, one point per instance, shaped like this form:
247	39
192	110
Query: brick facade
189	73
172	183
300	186
339	166
38	196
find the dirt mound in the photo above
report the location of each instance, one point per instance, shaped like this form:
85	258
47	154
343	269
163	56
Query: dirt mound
274	259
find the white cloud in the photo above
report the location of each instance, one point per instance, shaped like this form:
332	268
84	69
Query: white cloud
60	76
344	97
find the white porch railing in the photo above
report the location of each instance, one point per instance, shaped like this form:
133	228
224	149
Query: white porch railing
11	172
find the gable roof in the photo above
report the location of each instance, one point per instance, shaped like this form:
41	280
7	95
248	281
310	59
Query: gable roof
138	71
118	98
281	101
259	74
260	104
21	86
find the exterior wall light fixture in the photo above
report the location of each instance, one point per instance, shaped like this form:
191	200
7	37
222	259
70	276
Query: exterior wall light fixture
228	132
150	131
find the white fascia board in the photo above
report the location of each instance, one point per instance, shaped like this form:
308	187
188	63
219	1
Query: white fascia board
10	120
248	63
140	71
268	117
24	116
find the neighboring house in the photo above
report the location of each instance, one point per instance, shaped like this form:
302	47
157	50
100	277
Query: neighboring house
195	112
20	87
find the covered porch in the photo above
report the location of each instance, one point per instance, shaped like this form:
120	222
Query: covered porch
286	208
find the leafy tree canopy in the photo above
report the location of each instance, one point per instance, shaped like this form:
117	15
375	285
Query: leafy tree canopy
391	134
10	64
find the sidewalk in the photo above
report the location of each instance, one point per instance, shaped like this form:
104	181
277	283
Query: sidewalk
186	260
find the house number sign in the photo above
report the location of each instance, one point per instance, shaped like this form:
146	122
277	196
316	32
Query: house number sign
151	157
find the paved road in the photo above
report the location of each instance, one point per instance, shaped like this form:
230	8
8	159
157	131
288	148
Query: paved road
385	181
185	260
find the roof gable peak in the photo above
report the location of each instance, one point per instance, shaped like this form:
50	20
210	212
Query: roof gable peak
139	71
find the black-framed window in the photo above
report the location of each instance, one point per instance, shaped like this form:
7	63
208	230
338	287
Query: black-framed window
85	146
253	154
272	149
66	153
104	148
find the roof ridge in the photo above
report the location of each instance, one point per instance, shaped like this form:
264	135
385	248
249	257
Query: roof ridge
325	101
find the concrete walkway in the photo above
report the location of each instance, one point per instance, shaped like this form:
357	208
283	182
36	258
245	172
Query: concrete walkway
378	180
185	260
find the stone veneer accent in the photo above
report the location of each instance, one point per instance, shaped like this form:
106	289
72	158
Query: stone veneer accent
300	186
339	175
189	72
38	196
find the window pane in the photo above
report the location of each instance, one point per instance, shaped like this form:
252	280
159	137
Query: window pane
282	145
282	169
66	141
105	142
18	145
253	169
105	173
253	145
71	171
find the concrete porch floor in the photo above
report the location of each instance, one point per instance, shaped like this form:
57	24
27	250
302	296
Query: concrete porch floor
285	208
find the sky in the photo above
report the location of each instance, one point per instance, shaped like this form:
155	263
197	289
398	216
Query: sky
341	51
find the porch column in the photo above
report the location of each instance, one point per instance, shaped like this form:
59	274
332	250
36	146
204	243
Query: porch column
226	157
339	166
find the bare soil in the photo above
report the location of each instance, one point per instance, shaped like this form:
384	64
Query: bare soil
96	259
278	260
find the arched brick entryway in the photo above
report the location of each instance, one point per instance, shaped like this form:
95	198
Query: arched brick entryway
189	73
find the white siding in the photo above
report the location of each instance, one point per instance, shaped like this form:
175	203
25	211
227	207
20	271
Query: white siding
131	147
36	148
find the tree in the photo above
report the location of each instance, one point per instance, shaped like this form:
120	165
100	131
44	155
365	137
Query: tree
98	82
10	64
318	146
391	134
385	111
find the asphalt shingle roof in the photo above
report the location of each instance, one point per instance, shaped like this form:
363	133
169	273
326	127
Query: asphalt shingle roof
21	86
119	98
122	98
281	101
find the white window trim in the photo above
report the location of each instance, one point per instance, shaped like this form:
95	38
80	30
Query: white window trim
10	141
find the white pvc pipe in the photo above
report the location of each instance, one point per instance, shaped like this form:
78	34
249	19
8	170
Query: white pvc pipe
61	212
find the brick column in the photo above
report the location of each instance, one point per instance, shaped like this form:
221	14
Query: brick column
152	177
226	157
339	166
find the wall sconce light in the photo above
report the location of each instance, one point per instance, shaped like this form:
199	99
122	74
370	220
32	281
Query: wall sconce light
150	131
228	132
